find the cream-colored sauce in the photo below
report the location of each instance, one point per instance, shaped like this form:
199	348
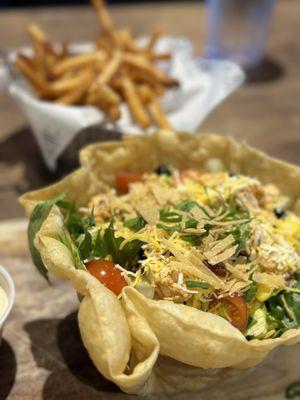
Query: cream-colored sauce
3	301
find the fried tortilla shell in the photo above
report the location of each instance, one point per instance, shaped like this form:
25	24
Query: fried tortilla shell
154	346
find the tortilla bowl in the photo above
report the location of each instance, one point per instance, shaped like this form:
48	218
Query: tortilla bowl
154	346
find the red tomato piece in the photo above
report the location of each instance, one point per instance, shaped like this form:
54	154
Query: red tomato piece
189	174
237	312
124	179
107	273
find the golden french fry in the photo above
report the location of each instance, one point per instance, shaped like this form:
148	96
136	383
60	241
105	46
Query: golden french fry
49	49
78	61
103	14
158	56
28	60
38	42
106	21
135	104
63	51
128	43
113	112
36	33
54	54
159	89
159	115
103	94
51	57
61	86
28	71
155	35
142	64
70	73
146	93
142	77
76	94
110	69
105	43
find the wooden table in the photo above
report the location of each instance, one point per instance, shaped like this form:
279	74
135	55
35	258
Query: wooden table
42	355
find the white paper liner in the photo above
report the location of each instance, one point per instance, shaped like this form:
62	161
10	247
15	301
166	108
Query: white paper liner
203	85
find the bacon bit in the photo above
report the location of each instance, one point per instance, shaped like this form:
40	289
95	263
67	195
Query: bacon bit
218	269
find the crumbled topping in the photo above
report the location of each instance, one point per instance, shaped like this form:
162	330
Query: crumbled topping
205	236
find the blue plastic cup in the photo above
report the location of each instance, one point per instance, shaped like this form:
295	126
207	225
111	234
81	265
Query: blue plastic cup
237	30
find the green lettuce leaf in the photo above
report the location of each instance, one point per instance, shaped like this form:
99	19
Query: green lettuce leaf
284	309
38	216
250	293
135	224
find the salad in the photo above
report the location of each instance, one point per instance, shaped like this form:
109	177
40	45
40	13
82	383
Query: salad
219	242
3	301
185	252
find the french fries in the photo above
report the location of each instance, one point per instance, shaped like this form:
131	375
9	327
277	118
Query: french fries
103	94
135	104
154	38
76	95
64	85
29	72
77	61
158	114
110	69
38	42
118	70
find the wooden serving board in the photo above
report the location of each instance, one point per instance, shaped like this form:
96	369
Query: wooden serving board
42	357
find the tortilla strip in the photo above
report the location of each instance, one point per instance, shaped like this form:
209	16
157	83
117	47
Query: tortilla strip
270	280
220	246
223	256
148	210
195	258
236	272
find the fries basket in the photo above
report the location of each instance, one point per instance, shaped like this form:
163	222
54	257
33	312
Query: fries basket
118	82
55	126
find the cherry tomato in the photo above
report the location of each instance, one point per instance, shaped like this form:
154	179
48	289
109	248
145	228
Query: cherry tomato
124	179
107	273
188	174
237	311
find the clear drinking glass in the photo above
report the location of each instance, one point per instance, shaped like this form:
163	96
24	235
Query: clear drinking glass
237	30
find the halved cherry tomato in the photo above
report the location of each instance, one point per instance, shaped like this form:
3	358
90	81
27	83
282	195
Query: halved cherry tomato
188	174
237	311
107	273
124	179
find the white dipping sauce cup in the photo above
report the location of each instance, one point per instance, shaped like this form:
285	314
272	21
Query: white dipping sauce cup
7	285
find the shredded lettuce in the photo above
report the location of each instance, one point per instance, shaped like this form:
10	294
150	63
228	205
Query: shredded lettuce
249	295
284	309
135	224
195	284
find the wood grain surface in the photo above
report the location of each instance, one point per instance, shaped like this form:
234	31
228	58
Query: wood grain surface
266	114
42	357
